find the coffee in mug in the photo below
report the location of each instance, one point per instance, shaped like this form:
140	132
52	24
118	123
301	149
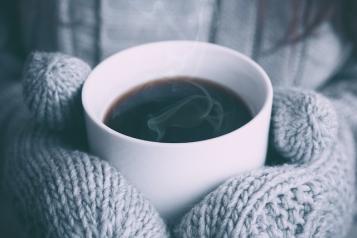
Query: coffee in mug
175	176
177	110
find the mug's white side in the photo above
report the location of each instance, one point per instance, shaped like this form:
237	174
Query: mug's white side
175	176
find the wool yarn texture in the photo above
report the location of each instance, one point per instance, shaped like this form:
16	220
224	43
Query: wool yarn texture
60	190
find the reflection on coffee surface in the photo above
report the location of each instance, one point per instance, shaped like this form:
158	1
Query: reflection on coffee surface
177	109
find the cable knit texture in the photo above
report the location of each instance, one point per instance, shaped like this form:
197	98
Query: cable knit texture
61	191
312	123
52	86
311	196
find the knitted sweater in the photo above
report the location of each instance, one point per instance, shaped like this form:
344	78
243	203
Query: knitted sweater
92	30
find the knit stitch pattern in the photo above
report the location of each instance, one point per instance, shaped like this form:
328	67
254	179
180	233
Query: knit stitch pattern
61	191
68	193
312	123
311	196
52	86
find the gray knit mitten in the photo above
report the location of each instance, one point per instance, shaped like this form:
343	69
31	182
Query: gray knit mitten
61	191
311	195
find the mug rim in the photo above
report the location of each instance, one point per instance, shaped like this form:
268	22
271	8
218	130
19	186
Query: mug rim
265	79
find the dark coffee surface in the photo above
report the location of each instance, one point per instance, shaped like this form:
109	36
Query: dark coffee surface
177	109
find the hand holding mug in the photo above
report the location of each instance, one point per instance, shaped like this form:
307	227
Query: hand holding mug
71	193
174	176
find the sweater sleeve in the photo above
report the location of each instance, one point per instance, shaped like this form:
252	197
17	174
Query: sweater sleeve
342	90
11	59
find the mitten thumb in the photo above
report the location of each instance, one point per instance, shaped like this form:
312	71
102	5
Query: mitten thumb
52	89
304	124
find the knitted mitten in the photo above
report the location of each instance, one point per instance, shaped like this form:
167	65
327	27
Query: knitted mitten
311	195
60	190
63	192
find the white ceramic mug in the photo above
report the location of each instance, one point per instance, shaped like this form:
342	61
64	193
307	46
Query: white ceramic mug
174	176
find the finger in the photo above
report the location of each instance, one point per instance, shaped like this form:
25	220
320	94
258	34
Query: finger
67	193
51	86
303	124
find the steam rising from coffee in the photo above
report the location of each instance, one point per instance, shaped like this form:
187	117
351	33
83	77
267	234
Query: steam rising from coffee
177	110
188	20
189	112
165	19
